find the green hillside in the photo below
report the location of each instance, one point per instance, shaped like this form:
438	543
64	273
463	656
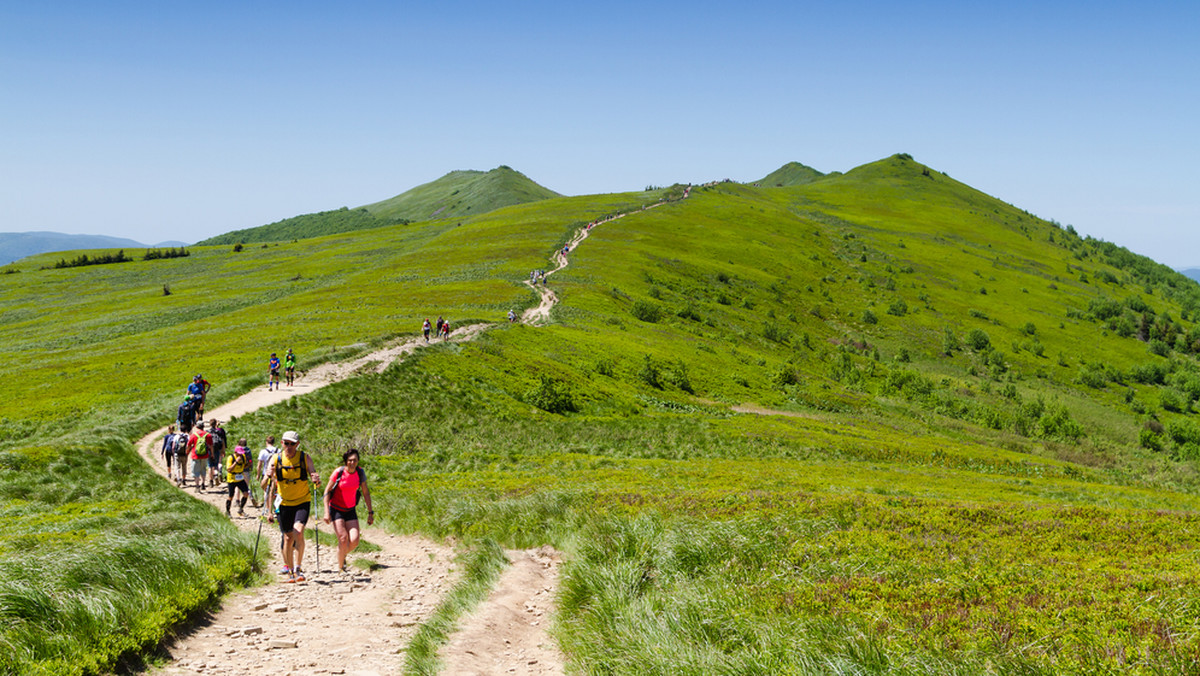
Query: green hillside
305	226
878	422
790	174
457	194
462	193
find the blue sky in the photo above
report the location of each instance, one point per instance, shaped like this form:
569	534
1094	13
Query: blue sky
160	121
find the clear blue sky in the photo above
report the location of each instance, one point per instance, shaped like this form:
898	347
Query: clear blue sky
160	121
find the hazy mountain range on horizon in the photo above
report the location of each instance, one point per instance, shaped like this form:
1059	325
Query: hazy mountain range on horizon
17	245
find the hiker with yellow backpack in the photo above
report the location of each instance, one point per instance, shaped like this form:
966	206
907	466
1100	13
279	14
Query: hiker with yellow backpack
292	476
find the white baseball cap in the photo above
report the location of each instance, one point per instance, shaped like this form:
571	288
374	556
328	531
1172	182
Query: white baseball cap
291	435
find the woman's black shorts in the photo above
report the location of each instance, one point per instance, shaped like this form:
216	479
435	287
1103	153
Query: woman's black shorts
343	514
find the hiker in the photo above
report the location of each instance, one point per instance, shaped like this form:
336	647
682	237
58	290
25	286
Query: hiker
291	474
346	484
218	450
512	316
264	458
199	448
237	469
446	330
199	393
289	366
181	455
273	375
168	450
439	326
425	329
186	416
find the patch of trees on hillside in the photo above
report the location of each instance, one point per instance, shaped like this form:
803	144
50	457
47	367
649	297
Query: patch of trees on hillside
307	225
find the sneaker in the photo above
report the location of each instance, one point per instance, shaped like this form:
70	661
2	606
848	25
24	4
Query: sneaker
285	571
290	579
299	577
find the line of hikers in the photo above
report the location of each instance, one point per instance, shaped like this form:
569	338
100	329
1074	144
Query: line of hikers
442	331
289	480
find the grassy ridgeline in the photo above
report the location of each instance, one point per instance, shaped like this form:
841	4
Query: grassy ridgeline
702	555
101	557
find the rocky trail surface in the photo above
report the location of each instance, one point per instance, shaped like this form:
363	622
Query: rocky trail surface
360	623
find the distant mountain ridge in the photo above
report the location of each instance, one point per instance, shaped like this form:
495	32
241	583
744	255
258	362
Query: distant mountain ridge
17	245
458	193
1191	273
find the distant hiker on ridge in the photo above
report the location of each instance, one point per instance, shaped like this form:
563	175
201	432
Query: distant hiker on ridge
273	375
425	329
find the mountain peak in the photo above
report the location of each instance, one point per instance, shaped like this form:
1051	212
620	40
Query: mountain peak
792	173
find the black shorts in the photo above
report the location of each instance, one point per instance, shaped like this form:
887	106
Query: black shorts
288	516
274	373
235	485
168	457
343	514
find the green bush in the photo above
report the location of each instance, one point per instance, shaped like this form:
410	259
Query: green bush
551	395
646	311
978	340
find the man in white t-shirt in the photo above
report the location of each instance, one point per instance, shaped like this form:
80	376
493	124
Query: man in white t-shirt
264	457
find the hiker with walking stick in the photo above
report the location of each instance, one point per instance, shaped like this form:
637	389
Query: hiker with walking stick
292	475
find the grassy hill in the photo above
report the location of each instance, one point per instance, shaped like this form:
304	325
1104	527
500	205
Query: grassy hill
457	194
790	174
876	422
462	193
305	226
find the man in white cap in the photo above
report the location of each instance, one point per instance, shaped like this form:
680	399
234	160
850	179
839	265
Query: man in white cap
292	475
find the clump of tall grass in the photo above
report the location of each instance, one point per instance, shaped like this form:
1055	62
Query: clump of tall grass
101	558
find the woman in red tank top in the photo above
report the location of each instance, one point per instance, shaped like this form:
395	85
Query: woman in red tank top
346	485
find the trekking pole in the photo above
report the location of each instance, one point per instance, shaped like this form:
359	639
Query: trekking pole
261	517
317	513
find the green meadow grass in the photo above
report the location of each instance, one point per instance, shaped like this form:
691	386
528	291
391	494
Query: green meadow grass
101	558
987	462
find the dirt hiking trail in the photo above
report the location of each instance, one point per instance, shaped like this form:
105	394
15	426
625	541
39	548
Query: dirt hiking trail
360	623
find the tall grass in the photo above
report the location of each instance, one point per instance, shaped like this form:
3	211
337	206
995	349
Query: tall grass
101	558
